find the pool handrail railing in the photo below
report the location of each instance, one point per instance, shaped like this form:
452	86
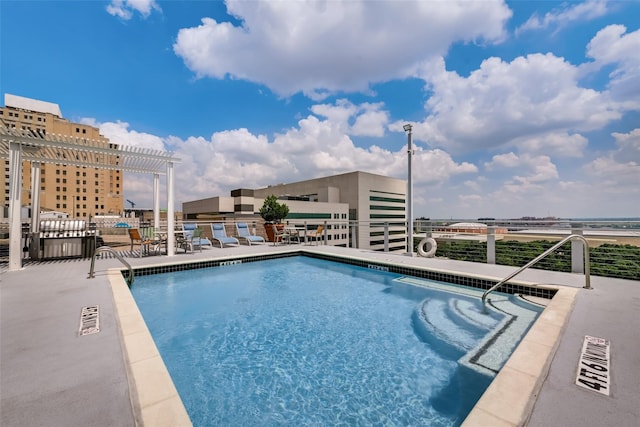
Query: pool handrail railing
538	258
117	255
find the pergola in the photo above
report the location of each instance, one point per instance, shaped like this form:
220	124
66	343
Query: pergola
18	145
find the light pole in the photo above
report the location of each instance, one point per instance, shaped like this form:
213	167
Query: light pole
407	128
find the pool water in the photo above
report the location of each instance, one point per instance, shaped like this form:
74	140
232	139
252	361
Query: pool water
301	341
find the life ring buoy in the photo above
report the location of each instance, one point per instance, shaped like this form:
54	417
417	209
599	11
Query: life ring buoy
431	243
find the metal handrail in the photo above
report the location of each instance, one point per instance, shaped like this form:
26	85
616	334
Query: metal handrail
538	258
110	250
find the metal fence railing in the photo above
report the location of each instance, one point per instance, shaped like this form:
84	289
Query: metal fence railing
614	245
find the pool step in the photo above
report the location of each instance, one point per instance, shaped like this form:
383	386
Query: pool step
456	325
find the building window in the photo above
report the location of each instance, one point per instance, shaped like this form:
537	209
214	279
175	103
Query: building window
64	206
77	173
77	130
57	205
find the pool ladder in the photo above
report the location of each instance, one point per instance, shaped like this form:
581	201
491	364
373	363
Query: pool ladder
117	255
538	258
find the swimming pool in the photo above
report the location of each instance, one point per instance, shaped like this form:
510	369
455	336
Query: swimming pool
302	341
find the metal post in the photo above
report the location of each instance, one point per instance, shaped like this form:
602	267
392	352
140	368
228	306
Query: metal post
354	236
491	244
577	250
386	237
408	129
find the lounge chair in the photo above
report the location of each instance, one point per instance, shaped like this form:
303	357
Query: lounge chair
280	235
220	235
245	235
143	241
316	234
194	239
188	228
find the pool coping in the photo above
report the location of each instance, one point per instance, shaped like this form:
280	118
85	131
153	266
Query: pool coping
508	401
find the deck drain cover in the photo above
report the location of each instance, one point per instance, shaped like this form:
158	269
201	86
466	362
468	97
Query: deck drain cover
89	320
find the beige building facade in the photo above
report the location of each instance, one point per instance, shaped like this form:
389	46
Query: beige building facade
79	191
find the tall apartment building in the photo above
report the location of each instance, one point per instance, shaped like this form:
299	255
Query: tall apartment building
79	191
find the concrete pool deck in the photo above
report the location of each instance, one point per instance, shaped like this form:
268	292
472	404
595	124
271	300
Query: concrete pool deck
49	375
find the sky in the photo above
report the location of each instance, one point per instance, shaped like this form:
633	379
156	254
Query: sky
518	108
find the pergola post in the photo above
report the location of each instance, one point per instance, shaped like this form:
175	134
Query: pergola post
171	250
156	201
35	197
15	214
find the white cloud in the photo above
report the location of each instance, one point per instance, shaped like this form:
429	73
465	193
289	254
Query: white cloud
239	159
629	146
503	103
567	13
320	48
612	46
540	168
124	9
368	119
507	160
561	144
619	170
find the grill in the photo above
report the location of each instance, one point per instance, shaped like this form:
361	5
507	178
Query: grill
63	239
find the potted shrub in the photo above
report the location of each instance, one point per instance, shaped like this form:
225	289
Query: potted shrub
272	212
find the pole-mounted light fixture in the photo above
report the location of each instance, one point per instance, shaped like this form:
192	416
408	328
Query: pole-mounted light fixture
407	128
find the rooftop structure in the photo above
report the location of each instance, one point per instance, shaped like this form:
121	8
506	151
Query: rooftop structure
375	201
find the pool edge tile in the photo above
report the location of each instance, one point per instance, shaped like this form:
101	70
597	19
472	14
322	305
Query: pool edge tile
512	394
154	398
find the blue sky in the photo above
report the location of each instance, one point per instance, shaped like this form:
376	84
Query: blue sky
518	108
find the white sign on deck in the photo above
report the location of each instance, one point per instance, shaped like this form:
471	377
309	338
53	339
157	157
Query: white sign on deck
594	371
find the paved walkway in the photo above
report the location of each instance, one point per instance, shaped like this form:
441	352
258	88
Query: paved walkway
49	375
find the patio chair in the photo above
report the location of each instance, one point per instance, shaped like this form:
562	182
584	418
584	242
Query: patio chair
316	234
188	229
280	235
245	235
220	235
143	241
194	239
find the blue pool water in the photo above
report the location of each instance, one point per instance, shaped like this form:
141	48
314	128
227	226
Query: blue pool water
300	341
